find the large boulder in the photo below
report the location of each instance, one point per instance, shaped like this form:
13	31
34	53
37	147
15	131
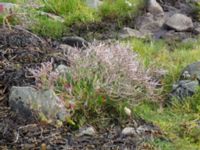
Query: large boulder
30	102
179	22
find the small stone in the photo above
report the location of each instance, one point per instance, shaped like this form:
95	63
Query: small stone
128	131
127	32
154	8
93	3
197	30
191	72
143	129
90	131
184	88
52	16
75	41
179	22
127	111
62	69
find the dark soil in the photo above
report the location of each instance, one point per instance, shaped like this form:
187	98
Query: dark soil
20	50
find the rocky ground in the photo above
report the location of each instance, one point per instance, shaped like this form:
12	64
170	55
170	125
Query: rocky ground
20	50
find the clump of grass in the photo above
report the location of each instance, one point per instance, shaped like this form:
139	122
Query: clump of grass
74	11
47	27
120	8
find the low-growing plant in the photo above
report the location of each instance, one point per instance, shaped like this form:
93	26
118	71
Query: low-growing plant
102	80
44	76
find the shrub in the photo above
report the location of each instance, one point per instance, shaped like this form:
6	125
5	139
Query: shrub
101	82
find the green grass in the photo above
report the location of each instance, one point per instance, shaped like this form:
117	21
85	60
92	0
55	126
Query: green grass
47	27
158	54
120	8
178	121
76	12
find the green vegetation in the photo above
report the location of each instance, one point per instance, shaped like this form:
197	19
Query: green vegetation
120	8
73	12
96	100
172	58
45	26
179	122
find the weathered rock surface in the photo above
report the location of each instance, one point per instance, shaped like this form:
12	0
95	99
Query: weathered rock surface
184	88
127	32
89	131
93	3
179	22
62	69
128	131
191	72
75	41
30	102
148	24
188	83
154	8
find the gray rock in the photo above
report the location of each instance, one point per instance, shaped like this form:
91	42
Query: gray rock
75	41
184	88
173	36
127	32
188	83
147	130
190	40
179	22
154	8
191	72
87	131
128	131
197	30
62	69
93	3
52	16
30	102
148	24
